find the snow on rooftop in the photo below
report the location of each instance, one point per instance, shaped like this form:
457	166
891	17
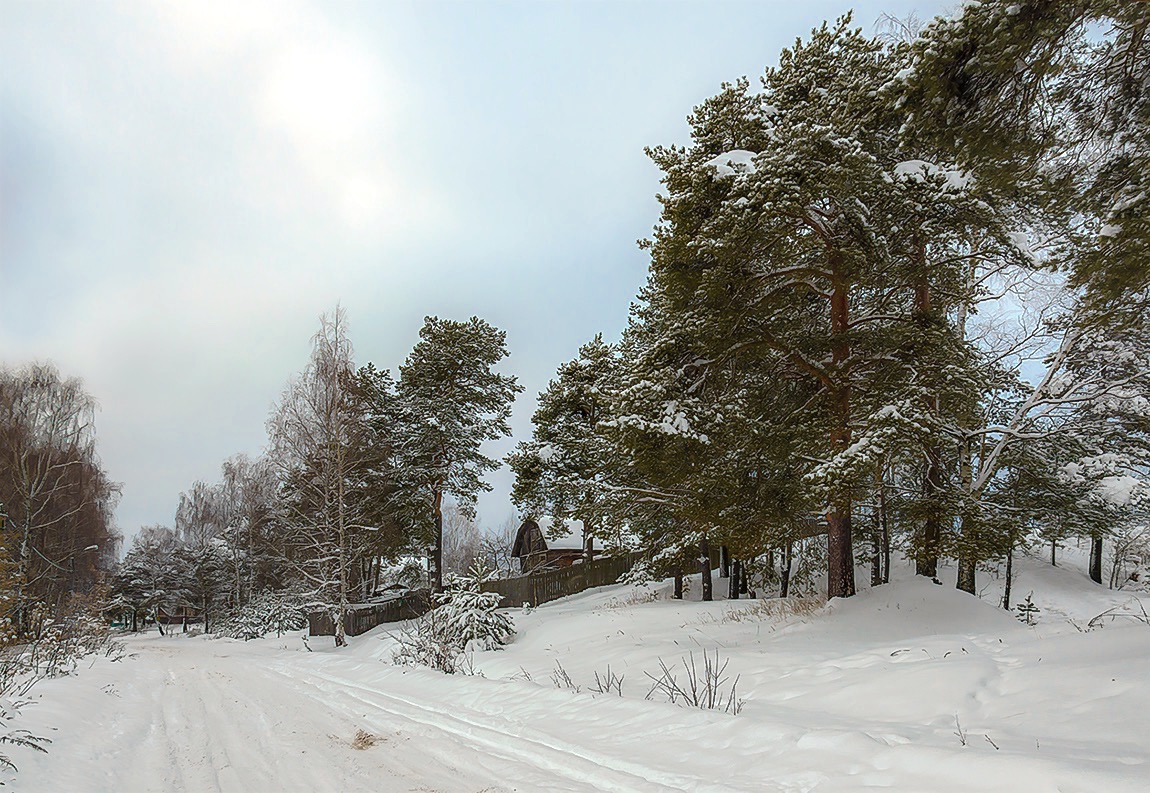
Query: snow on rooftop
572	540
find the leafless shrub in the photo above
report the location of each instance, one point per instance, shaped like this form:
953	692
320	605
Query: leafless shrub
561	679
1133	609
522	674
607	682
426	642
704	688
75	634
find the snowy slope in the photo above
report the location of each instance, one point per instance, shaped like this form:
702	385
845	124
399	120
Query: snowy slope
870	692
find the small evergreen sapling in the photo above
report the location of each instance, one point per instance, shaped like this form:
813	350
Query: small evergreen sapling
472	616
466	618
1027	611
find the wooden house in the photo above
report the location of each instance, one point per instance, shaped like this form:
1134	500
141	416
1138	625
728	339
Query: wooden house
536	553
179	615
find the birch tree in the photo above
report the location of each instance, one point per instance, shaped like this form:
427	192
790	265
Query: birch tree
316	434
58	499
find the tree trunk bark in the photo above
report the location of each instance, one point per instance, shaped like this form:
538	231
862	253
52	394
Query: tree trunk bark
966	575
876	555
785	579
1096	559
678	594
926	554
840	554
1054	553
885	533
341	536
706	590
1009	575
927	563
437	551
735	573
743	585
724	562
968	538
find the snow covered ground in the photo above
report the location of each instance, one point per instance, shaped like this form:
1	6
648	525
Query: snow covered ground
908	687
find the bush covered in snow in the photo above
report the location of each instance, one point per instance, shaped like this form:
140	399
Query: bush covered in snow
465	619
75	632
268	612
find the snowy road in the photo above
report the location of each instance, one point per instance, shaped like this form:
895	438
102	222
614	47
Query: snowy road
201	715
197	715
908	688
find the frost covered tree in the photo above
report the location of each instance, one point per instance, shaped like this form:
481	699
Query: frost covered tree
451	401
152	575
781	286
317	440
1079	110
462	541
563	469
248	490
804	344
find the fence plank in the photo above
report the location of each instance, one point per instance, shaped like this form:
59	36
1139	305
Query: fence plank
362	617
539	588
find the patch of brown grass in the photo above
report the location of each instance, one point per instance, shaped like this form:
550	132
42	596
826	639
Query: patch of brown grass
364	740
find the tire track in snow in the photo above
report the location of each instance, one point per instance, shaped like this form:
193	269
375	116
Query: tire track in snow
587	768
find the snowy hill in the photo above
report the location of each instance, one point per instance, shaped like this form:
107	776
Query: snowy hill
910	687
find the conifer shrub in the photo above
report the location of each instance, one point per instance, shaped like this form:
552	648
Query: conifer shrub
465	619
267	612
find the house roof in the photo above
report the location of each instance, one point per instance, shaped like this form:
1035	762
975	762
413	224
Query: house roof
572	539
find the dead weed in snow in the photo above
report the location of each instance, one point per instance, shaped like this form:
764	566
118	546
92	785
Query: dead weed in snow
364	740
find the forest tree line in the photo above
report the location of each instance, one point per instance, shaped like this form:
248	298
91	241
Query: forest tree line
898	296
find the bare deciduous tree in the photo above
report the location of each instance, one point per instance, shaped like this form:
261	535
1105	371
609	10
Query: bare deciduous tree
58	499
316	433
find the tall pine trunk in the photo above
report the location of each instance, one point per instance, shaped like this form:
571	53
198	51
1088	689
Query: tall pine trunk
930	539
437	551
735	574
882	516
840	554
724	562
876	552
968	539
927	563
678	593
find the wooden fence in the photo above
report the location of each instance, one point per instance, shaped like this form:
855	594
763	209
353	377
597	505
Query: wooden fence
362	617
540	588
535	588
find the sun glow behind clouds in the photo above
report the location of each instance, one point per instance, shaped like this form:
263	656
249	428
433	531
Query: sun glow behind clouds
326	95
318	92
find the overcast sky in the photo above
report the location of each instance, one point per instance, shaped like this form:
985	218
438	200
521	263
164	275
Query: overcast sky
186	187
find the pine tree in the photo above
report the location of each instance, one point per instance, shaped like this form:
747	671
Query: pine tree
451	401
1080	110
561	471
